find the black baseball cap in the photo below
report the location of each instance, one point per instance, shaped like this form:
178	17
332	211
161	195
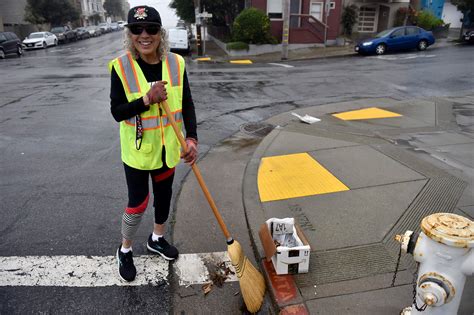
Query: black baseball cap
143	15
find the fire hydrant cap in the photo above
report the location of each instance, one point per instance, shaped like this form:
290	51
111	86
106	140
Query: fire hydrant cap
450	229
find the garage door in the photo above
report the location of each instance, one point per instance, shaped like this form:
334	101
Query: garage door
367	19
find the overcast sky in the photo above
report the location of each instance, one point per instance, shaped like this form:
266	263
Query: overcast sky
168	16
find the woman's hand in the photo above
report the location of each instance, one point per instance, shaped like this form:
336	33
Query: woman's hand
190	156
156	94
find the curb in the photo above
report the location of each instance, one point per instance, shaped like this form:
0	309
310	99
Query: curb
283	289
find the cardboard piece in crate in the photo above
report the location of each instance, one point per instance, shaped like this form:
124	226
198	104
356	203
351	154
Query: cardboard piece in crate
285	245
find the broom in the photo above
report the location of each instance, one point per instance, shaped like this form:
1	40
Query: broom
252	284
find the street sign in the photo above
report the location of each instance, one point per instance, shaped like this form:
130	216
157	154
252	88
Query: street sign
205	15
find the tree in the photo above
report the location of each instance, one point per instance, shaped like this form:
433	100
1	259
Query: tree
55	12
223	12
114	8
348	19
464	5
184	9
467	8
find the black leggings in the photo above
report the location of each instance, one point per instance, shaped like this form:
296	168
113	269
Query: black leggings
162	182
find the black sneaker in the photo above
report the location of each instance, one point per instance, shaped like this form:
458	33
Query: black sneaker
162	247
126	268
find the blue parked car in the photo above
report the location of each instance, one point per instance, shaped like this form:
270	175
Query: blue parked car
397	38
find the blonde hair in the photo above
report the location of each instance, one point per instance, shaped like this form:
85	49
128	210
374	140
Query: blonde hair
162	50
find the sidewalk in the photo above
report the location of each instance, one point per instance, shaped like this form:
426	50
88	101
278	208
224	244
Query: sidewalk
217	55
397	171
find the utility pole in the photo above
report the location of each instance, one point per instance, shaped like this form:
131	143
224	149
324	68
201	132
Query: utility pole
197	10
204	35
326	13
286	29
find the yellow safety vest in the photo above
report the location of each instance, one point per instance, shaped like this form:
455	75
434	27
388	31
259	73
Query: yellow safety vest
157	129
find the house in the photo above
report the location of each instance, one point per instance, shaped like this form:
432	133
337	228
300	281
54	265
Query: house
12	18
434	6
451	15
92	11
314	20
311	22
375	16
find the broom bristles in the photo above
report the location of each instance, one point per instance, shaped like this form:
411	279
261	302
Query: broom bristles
252	284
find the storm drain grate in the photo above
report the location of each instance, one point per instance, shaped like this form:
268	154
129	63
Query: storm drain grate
347	264
257	129
439	195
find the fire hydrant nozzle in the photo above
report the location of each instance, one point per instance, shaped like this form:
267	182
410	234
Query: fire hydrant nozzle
404	240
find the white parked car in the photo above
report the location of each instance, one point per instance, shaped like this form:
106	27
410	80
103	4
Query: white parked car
179	40
40	40
121	24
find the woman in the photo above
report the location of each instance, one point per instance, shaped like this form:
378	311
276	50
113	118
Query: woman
140	80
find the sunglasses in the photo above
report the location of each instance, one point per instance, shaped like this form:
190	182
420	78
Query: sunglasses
150	29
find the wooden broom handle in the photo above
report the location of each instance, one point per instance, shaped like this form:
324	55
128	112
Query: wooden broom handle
197	172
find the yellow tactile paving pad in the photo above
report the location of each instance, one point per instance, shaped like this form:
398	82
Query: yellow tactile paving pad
242	62
295	175
366	113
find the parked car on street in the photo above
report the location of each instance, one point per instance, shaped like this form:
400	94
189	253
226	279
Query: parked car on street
179	40
121	24
40	40
64	33
94	30
469	36
10	44
397	38
114	27
82	33
105	27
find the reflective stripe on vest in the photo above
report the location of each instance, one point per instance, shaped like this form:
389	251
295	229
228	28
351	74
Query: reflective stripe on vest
128	72
173	69
154	122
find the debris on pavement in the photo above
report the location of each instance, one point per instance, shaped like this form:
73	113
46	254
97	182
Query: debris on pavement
207	287
307	118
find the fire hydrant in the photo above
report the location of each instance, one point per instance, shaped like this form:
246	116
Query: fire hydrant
443	250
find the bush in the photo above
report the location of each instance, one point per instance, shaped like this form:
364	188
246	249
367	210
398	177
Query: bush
348	19
237	46
428	20
252	26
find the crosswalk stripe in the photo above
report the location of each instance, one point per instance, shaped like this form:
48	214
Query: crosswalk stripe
101	271
193	268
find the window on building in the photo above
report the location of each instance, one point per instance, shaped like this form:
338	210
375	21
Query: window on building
316	10
275	9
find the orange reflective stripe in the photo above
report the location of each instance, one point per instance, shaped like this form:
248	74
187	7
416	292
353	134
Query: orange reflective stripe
124	76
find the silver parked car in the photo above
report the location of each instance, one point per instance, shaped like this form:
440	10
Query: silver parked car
94	30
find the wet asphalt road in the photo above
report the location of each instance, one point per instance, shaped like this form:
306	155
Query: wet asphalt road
62	186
